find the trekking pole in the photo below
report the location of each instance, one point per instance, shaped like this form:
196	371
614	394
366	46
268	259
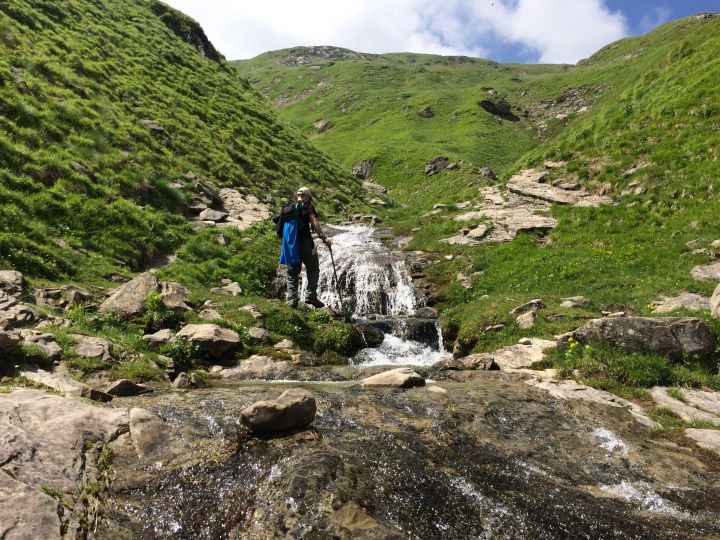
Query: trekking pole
337	283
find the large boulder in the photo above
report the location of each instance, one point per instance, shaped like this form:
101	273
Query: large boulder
422	330
715	303
94	347
395	378
126	388
674	337
368	336
257	367
214	341
11	281
294	409
498	106
129	299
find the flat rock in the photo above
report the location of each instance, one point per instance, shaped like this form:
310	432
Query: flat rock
209	314
674	337
45	342
293	409
710	272
529	183
257	367
258	334
715	303
94	347
61	382
573	390
531	306
159	338
231	289
26	512
396	378
213	340
129	299
212	215
705	438
149	435
690	301
126	388
285	345
574	302
705	400
507	359
480	362
17	316
436	389
684	410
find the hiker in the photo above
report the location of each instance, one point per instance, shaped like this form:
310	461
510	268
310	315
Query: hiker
298	247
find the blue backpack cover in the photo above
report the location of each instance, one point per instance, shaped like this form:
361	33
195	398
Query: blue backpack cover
290	252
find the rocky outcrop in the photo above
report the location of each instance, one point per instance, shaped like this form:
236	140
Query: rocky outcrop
363	169
149	435
497	106
213	341
26	511
257	367
421	330
44	342
674	337
436	165
232	288
293	409
323	125
129	299
159	338
508	358
244	210
186	28
9	341
705	438
62	296
395	378
61	381
530	183
710	272
94	347
11	281
686	411
690	301
17	316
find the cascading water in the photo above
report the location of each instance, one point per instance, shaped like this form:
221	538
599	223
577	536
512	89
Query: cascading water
374	284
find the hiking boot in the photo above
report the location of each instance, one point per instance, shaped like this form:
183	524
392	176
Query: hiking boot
314	302
292	304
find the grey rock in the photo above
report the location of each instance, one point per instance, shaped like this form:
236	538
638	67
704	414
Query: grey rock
129	299
364	168
6	301
159	338
674	337
715	303
684	410
526	320
213	341
11	281
174	295
212	215
323	125
436	165
427	312
421	330
196	381
710	272
61	382
376	188
369	336
530	183
257	367
94	347
181	381
231	289
426	112
126	388
252	310
481	362
149	434
575	302
9	341
690	301
293	409
705	438
396	378
531	306
210	315
244	210
510	358
26	511
285	345
498	106
17	316
258	334
45	342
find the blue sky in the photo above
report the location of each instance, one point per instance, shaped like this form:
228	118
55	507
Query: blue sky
527	31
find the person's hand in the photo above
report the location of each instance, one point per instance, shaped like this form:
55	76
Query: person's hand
328	242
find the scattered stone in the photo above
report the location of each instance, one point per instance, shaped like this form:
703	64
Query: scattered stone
11	281
426	112
213	340
530	183
690	301
377	188
181	381
715	303
397	378
575	302
94	347
243	210
196	381
531	306
152	125
61	382
685	411
212	215
257	367
493	328
210	315
526	320
231	289
17	316
554	164
126	388
427	312
173	295
323	125
285	345
710	272
129	299
45	342
293	409
464	281
252	310
436	389
435	165
674	337
705	438
258	334
159	338
363	169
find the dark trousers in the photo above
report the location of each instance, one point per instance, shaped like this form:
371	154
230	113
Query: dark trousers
308	257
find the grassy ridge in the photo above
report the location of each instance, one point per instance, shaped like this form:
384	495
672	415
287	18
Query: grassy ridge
103	106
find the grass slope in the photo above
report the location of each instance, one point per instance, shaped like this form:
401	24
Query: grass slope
85	175
652	121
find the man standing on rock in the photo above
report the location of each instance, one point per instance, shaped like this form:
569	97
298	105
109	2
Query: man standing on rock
306	216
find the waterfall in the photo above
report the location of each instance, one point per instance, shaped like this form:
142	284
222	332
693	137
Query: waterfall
376	284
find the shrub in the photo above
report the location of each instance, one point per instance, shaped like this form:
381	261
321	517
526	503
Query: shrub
158	316
184	353
337	337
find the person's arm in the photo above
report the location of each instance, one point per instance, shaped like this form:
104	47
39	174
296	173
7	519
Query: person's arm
316	227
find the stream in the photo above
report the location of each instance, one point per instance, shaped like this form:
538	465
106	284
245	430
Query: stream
491	457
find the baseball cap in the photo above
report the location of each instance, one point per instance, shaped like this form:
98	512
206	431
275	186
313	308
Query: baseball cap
304	191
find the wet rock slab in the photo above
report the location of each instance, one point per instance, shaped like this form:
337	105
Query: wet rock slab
293	409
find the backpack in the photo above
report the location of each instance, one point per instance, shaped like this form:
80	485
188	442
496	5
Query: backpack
291	210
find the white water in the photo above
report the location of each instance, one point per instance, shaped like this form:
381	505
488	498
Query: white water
372	281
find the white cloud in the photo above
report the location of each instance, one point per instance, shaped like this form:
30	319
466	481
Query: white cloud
553	30
658	15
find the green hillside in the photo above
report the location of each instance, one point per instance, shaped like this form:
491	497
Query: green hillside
638	120
105	106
